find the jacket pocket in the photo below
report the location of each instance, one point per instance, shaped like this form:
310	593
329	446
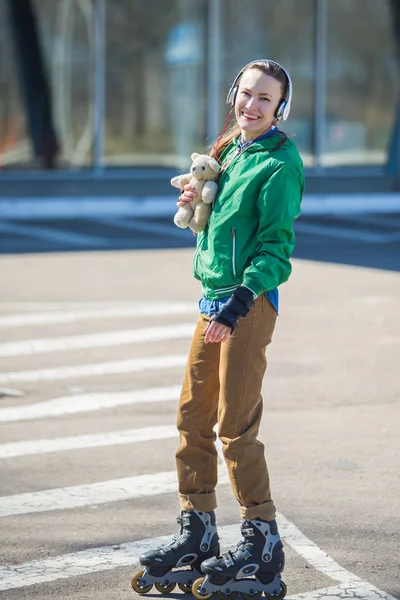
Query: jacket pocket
233	236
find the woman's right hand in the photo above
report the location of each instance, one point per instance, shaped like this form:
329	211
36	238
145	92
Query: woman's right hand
187	195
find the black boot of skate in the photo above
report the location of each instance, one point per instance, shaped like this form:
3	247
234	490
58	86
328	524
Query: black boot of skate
196	541
252	568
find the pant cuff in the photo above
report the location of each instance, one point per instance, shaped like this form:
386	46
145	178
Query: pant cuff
265	511
203	502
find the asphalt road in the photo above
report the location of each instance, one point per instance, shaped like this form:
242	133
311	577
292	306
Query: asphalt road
92	350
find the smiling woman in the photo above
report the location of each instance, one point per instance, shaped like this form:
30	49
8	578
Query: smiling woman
242	257
257	99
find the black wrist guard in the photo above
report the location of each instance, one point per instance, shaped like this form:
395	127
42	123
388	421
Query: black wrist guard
236	307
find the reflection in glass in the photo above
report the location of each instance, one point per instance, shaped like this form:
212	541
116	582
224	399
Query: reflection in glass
282	30
155	81
46	83
361	77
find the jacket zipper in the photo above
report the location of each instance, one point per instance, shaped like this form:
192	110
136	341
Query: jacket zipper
233	236
196	257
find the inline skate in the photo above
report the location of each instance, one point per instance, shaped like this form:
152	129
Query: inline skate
252	568
179	561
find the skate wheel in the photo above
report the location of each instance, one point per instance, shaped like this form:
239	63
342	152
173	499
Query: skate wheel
185	587
165	588
136	585
281	595
254	596
223	596
195	590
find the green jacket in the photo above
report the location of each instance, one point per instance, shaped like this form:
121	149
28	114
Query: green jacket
249	238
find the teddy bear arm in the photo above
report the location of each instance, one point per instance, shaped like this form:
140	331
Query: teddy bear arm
180	180
210	191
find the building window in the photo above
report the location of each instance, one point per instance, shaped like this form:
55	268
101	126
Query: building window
46	91
361	76
155	81
282	30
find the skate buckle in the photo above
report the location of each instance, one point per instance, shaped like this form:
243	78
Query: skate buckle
228	559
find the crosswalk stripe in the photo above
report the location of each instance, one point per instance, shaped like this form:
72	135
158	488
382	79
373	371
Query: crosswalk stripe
55	235
93	494
106	558
132	365
117	312
67	405
89	561
76	442
153	227
96	340
346	233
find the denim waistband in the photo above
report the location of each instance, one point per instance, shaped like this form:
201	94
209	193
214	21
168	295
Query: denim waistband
211	307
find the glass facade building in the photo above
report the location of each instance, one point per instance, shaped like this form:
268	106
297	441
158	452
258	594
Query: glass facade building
98	85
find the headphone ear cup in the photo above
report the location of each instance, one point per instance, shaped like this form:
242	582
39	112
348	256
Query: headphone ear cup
280	109
233	95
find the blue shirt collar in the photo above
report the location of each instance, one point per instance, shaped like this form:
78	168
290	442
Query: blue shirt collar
242	145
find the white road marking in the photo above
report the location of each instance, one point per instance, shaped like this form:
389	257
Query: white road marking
67	405
345	233
72	316
95	440
70	304
93	494
360	590
87	206
350	204
96	340
54	235
132	365
165	206
140	225
312	553
126	555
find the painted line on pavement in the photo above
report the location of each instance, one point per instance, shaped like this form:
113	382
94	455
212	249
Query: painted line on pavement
72	316
96	340
95	440
54	235
93	494
132	365
126	555
80	403
40	208
170	229
70	304
345	233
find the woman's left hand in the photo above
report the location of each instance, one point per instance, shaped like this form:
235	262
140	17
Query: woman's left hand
216	332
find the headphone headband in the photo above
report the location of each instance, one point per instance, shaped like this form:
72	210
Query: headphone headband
283	109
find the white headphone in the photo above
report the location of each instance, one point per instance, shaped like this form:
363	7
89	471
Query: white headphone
283	108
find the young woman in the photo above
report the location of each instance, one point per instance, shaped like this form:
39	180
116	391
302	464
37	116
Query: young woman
241	259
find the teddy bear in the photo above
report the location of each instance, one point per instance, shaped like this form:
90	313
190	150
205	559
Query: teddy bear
203	172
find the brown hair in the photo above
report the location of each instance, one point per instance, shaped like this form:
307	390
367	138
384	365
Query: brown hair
233	130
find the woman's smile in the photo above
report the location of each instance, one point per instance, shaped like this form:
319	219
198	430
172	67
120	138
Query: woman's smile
257	99
246	115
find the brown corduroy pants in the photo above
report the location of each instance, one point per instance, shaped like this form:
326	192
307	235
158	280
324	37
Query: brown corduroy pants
222	385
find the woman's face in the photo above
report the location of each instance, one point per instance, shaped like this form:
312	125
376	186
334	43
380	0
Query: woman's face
256	101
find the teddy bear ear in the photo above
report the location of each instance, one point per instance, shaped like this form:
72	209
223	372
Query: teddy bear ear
194	155
214	164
